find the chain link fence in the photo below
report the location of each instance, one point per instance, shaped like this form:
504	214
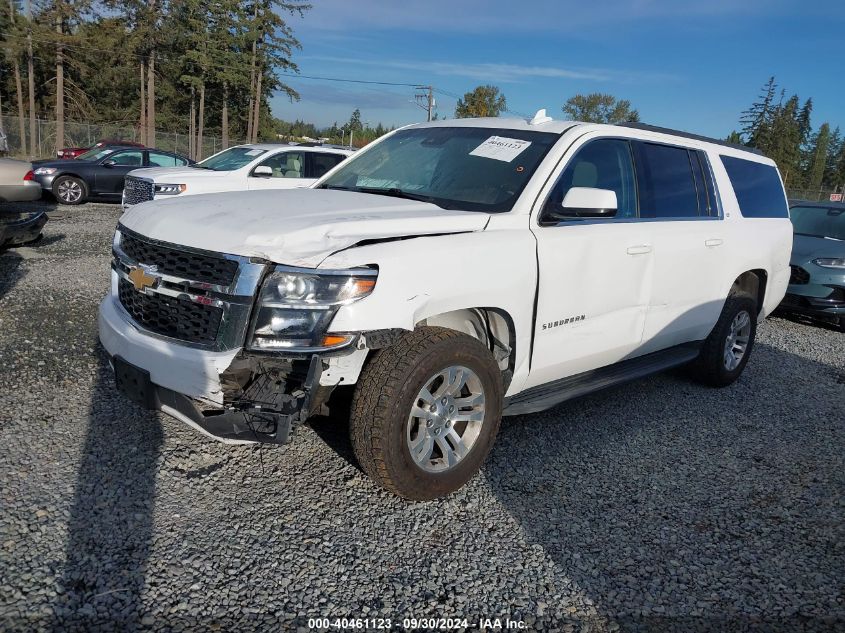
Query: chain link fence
86	134
815	195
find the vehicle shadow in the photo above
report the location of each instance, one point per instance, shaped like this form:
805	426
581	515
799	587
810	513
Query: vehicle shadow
11	270
110	526
671	506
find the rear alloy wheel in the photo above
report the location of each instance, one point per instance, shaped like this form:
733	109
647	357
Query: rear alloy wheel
726	351
425	412
69	190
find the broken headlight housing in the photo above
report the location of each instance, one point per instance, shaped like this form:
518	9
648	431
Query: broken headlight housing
296	306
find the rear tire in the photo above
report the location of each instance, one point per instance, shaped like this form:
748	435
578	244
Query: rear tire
425	413
70	190
728	347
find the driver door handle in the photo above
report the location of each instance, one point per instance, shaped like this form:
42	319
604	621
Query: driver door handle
713	242
639	249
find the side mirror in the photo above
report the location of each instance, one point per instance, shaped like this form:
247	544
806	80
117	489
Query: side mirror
109	163
263	171
587	202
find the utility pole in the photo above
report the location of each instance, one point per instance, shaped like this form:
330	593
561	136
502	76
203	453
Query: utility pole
424	98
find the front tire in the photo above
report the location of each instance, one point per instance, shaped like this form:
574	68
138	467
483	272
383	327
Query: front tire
70	190
728	347
425	413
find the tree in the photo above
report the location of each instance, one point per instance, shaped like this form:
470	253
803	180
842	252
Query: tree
757	120
600	108
482	101
818	162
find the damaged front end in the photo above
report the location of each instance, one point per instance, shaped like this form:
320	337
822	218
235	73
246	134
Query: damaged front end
237	348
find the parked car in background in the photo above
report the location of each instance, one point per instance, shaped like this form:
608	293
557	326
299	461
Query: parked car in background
449	273
75	152
16	181
240	168
99	172
817	283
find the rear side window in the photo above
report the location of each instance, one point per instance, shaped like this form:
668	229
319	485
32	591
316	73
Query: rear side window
322	163
758	189
666	181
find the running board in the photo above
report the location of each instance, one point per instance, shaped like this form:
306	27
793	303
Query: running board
543	397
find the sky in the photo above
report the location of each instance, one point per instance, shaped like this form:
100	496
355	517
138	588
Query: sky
691	65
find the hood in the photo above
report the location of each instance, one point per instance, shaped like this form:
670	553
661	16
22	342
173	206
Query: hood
172	174
298	227
807	247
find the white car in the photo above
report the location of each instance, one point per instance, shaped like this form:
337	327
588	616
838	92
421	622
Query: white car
240	168
448	274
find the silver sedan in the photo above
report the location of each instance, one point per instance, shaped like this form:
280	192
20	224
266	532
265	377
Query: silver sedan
16	184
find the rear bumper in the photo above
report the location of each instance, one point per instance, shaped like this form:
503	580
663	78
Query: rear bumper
24	192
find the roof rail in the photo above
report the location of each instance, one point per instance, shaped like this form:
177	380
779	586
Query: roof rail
696	137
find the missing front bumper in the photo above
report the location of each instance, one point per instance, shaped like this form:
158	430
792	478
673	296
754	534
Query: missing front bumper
264	410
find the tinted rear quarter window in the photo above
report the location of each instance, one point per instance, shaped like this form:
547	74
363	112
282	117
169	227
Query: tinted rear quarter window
666	182
758	189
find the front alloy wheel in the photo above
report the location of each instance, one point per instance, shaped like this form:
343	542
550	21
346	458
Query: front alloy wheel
69	190
446	419
426	411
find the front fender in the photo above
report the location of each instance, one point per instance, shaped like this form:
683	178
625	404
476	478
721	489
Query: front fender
425	276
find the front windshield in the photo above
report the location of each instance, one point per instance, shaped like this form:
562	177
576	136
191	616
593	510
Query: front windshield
818	221
231	159
467	168
95	153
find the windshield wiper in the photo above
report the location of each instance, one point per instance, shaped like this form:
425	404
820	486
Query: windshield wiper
395	192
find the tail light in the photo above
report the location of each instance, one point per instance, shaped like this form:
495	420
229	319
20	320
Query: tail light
29	175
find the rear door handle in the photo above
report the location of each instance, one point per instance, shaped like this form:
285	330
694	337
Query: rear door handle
639	249
713	242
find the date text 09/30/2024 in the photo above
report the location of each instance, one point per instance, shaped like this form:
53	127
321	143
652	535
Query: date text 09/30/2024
412	624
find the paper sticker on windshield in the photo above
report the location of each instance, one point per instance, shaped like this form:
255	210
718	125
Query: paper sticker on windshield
500	148
254	152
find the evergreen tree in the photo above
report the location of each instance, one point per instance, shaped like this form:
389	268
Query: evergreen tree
757	120
818	162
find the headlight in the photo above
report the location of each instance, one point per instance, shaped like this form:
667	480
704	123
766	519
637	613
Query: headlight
296	306
830	262
45	171
169	190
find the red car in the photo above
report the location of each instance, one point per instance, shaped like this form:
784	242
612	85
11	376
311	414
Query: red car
73	152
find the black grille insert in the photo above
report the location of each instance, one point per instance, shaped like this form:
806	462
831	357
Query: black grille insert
177	318
799	275
136	190
170	261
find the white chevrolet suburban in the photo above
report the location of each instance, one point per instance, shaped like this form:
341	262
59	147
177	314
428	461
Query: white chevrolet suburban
240	168
449	274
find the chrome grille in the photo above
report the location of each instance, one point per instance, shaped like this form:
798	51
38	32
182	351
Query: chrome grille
137	190
193	297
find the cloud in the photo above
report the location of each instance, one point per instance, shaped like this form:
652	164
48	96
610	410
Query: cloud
496	72
335	94
503	16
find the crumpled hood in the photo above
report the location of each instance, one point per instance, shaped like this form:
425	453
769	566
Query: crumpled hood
807	247
298	227
172	175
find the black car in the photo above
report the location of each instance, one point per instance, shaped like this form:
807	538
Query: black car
99	172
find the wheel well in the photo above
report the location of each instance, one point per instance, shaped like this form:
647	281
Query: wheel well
753	284
491	326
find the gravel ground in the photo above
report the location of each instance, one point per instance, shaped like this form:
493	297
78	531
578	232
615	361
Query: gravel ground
660	505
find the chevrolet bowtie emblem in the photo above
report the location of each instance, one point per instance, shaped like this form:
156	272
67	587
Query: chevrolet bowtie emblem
141	278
